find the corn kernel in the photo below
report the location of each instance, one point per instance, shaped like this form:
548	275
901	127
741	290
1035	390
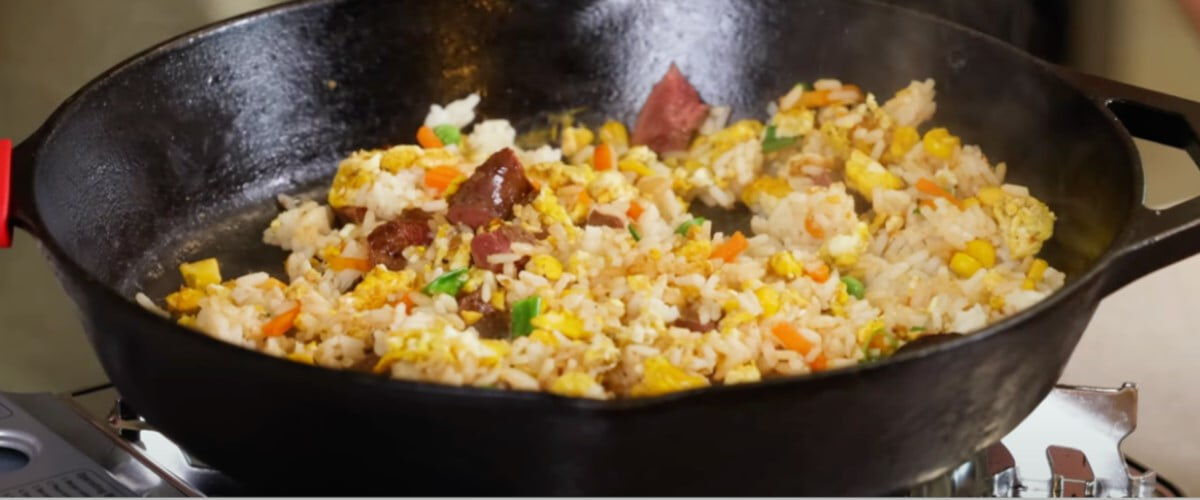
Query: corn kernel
964	265
614	133
903	139
939	143
186	300
576	384
990	195
1036	271
470	317
785	265
996	302
575	139
742	374
498	300
545	265
563	322
768	298
201	273
982	251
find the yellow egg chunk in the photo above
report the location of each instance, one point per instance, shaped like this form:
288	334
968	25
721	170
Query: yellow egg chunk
186	300
577	384
546	266
745	373
661	377
381	286
1026	224
201	273
864	175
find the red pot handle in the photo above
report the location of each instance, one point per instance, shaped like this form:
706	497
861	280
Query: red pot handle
5	192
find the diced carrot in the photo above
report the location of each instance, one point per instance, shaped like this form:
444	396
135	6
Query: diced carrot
819	273
791	338
814	98
927	204
280	325
440	178
931	188
339	263
602	158
731	248
635	210
583	198
408	302
810	225
820	363
427	139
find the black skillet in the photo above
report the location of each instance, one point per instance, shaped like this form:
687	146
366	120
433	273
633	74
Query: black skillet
178	153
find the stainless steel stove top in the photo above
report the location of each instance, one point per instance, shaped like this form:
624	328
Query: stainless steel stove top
89	443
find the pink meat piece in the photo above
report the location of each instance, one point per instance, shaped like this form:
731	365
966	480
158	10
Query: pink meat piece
671	115
491	191
486	244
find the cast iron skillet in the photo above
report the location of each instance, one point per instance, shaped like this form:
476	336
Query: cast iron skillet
178	152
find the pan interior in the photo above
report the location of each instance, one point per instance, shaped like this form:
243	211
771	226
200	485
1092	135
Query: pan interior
180	154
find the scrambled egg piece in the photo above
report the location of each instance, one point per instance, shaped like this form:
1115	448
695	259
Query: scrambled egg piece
793	122
745	373
186	300
577	384
846	248
1025	222
354	173
661	377
381	286
710	147
864	174
562	322
772	186
201	273
400	157
547	204
545	265
610	185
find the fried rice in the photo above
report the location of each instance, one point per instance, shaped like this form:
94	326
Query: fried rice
866	234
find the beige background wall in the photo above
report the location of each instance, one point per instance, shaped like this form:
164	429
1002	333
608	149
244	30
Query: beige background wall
1145	333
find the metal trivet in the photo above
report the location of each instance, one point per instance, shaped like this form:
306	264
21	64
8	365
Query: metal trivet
51	445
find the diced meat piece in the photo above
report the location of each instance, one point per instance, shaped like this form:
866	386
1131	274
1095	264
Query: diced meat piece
822	179
494	324
695	325
387	242
495	242
671	115
602	219
350	214
491	191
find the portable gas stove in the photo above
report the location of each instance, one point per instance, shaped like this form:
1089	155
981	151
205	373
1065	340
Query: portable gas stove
89	443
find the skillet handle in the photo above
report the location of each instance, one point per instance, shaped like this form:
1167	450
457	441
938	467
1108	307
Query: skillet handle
1152	239
6	150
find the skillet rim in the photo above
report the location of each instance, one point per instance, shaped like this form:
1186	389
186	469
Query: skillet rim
127	307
